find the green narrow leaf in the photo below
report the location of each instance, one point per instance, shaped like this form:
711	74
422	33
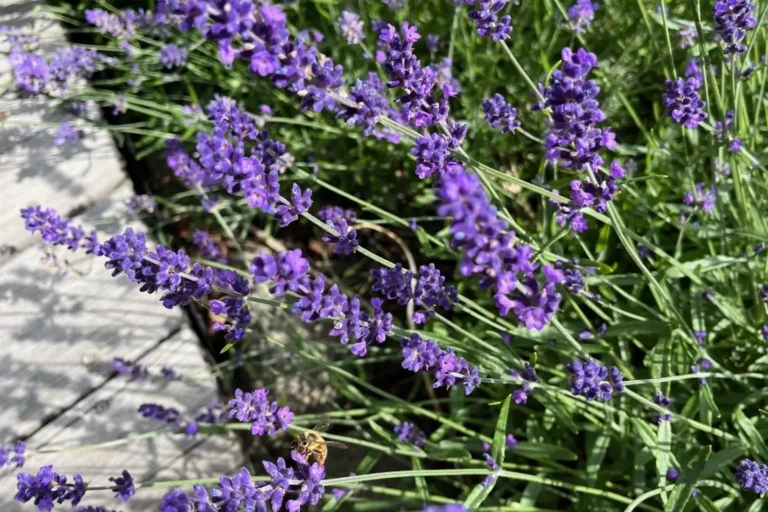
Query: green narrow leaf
481	492
421	482
543	450
680	495
500	434
757	506
596	456
665	445
746	427
706	504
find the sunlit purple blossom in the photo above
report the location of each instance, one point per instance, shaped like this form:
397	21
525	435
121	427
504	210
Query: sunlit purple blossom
581	14
752	476
351	27
733	18
48	487
267	417
701	197
426	355
592	380
140	203
68	134
687	36
171	56
682	102
575	139
487	20
500	114
409	433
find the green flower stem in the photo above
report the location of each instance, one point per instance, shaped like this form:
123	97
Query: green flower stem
670	52
689	376
522	72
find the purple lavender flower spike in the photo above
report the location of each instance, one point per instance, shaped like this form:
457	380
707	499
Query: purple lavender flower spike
683	103
67	134
124	487
58	231
47	488
409	433
575	138
171	56
733	18
267	417
487	21
351	27
115	25
581	15
207	248
752	476
591	380
687	36
500	114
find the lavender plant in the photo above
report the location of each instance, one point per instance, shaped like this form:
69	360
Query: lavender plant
600	350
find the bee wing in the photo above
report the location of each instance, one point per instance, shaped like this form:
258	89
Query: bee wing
336	444
321	427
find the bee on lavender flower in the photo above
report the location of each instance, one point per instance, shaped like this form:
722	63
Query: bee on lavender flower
311	444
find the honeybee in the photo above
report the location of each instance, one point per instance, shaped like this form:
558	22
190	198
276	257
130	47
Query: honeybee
311	444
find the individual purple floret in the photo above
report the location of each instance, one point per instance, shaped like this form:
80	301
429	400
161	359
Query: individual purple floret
171	56
492	464
299	204
511	442
124	487
157	412
665	402
693	70
207	248
286	272
14	455
581	15
500	114
409	433
426	355
575	139
126	367
733	18
170	374
673	474
752	476
139	204
67	134
334	213
591	380
735	145
687	36
433	41
430	292
487	21
115	25
683	103
346	241
701	197
47	488
267	417
351	27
